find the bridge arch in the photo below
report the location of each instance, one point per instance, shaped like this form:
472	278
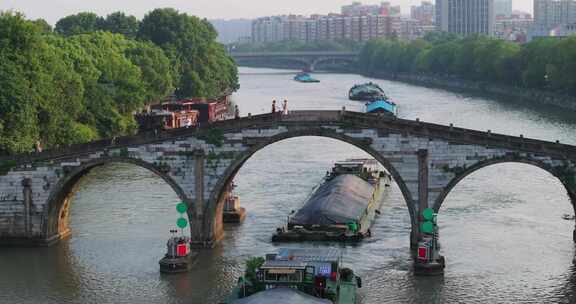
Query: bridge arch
509	159
56	220
314	63
211	211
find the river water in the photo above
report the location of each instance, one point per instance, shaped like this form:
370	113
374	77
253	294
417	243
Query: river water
501	228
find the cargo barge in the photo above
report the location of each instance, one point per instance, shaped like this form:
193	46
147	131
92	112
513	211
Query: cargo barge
342	208
296	275
366	92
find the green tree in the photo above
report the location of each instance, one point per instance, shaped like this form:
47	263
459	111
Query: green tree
441	57
119	89
80	23
536	57
155	69
41	95
202	67
119	23
43	26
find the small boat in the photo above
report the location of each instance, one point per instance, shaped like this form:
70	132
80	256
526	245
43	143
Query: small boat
297	275
305	77
341	208
382	105
178	257
366	92
568	217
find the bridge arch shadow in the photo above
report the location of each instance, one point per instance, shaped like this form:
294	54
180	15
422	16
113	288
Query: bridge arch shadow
219	189
57	216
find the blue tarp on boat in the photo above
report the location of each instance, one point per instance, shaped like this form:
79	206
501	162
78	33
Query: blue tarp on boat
381	105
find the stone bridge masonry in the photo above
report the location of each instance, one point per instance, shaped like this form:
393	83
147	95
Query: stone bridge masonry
426	161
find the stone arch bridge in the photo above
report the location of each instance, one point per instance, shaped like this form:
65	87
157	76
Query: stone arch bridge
308	60
426	160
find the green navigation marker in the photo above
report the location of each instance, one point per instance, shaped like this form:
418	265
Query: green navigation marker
182	223
428	214
427	227
181	208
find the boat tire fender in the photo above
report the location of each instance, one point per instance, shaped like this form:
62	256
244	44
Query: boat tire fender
359	282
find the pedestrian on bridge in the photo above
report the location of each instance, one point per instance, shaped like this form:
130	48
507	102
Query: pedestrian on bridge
274	106
285	107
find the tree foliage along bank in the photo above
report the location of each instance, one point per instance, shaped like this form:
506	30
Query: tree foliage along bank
85	79
546	64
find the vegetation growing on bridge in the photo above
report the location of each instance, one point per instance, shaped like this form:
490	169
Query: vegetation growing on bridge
213	136
85	79
547	64
6	166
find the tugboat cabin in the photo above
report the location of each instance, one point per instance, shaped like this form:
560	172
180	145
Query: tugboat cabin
312	271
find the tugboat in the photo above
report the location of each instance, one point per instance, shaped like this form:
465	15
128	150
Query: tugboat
341	208
295	275
178	257
366	92
305	77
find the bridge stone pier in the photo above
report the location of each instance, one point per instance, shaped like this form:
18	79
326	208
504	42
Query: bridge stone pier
426	161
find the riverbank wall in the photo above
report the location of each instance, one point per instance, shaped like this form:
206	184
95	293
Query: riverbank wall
484	88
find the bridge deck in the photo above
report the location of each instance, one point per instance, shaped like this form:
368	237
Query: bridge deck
318	119
294	54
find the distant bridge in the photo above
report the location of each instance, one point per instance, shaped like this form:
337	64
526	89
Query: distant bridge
308	60
426	161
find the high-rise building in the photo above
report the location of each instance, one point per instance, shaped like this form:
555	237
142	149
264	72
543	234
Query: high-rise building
502	8
357	22
465	17
232	30
359	9
551	15
423	13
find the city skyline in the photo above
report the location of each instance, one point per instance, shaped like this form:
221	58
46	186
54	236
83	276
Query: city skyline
220	9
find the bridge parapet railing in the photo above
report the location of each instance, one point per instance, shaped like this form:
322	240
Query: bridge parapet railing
465	135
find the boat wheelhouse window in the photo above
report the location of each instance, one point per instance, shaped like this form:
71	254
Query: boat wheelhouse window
275	275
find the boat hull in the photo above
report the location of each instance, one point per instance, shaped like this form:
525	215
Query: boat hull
234	217
177	264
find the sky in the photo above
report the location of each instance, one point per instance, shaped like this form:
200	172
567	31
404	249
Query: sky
52	10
